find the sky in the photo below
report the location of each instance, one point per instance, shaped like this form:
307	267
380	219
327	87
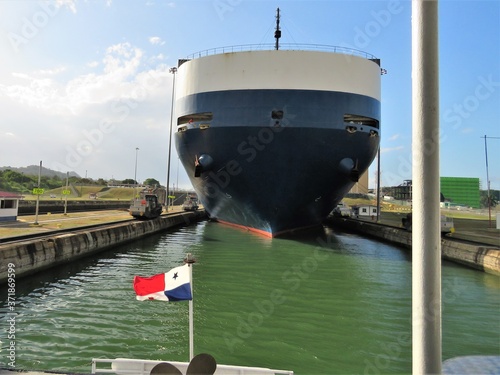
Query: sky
85	84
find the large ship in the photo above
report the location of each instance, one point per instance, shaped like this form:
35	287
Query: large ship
272	139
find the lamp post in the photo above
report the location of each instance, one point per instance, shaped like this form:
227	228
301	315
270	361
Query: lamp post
135	173
173	71
38	194
488	177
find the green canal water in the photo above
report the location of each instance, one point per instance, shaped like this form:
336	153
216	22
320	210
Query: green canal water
323	303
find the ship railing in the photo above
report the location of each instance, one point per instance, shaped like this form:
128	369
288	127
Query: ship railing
126	366
283	46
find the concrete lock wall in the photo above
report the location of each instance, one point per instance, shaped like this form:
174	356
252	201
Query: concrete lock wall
485	258
35	255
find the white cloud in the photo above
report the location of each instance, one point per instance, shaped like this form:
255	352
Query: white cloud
394	137
391	149
119	79
51	72
156	40
70	4
90	121
21	75
93	64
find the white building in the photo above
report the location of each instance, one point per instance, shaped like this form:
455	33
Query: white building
9	204
364	210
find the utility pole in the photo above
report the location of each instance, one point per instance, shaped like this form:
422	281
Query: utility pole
135	172
488	177
38	195
66	195
173	71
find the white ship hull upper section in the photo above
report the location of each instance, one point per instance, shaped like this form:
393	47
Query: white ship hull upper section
282	69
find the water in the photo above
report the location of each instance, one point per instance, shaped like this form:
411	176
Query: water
325	303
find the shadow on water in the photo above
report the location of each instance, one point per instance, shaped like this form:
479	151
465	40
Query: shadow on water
339	241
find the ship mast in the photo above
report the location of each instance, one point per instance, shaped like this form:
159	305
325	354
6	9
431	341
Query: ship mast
277	32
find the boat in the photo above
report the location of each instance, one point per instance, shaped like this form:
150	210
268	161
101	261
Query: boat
273	137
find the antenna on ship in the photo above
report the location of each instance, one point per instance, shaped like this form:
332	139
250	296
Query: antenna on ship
277	32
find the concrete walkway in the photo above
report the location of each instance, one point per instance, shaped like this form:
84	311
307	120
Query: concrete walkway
51	222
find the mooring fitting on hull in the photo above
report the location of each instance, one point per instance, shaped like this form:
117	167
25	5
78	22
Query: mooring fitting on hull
202	163
350	168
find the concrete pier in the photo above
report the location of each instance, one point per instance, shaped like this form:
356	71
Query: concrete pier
481	257
35	255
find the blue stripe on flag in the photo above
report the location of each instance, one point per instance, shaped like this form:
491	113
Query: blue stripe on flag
181	293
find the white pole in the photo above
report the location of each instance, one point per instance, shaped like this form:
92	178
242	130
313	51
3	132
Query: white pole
66	195
173	71
426	241
135	173
38	195
190	262
191	322
487	180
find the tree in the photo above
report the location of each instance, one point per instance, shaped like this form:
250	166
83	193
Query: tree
129	181
151	182
484	198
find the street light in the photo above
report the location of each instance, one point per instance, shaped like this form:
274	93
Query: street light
135	173
488	177
173	71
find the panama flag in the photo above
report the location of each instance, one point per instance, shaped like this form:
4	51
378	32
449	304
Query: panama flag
175	285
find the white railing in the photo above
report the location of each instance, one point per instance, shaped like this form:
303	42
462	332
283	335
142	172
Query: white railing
125	366
285	46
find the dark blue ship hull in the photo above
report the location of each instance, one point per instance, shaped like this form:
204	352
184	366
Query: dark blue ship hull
273	180
274	160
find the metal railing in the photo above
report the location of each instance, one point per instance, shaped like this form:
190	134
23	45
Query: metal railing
284	46
124	366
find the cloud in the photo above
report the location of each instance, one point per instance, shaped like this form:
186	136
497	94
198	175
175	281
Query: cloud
394	137
91	121
120	78
466	130
70	4
21	75
51	72
385	150
156	40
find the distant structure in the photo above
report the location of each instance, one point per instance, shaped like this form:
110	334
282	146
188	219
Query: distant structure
402	192
463	191
456	191
360	187
9	205
364	210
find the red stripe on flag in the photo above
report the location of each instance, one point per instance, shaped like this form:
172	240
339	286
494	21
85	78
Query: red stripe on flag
147	285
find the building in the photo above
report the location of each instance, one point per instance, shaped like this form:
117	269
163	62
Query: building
9	205
462	191
458	191
361	187
365	210
402	192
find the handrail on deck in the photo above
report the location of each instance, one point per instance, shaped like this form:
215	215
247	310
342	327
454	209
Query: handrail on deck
284	46
127	366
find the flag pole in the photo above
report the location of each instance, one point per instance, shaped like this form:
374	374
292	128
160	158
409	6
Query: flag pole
189	260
